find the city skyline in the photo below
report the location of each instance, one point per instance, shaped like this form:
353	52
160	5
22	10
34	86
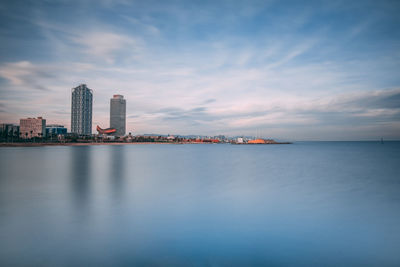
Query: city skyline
291	70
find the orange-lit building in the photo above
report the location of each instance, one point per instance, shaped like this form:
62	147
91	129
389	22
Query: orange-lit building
105	131
256	141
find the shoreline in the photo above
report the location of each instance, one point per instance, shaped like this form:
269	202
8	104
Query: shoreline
117	143
76	144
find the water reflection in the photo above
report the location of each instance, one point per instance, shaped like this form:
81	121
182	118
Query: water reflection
81	171
307	204
117	171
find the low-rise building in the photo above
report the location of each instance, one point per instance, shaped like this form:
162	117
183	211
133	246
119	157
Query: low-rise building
55	129
32	127
8	130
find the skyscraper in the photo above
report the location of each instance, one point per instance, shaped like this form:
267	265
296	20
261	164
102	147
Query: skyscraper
118	114
81	110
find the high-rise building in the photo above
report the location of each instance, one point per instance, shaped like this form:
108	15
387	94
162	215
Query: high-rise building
118	114
81	110
32	127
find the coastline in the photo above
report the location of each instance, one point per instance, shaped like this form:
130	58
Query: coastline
76	144
118	143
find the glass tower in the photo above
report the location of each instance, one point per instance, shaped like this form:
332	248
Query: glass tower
81	110
118	114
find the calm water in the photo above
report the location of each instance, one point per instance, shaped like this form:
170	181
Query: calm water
305	204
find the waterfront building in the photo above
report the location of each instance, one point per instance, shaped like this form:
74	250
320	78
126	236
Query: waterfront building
32	127
105	131
4	127
55	129
257	141
118	114
8	130
81	110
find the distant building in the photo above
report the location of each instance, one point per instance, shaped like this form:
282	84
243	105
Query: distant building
257	141
118	114
32	127
8	130
3	127
105	131
81	110
55	129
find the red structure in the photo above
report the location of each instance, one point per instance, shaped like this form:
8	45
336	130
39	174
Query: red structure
106	131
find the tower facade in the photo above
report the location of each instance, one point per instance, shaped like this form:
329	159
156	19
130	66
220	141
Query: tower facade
81	110
118	114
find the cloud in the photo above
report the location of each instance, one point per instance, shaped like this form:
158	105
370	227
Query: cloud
378	100
146	27
25	74
209	101
107	45
89	41
198	115
156	106
207	68
343	111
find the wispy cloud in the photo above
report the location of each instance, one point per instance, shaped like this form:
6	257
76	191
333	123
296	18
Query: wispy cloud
144	26
225	67
24	74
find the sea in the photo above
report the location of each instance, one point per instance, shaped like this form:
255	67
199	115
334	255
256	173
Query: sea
300	204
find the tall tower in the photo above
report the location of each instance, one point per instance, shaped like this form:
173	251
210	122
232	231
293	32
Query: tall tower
81	110
118	114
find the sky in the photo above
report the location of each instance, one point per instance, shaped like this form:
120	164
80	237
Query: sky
289	70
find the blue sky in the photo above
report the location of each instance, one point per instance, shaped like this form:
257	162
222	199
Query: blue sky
297	70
